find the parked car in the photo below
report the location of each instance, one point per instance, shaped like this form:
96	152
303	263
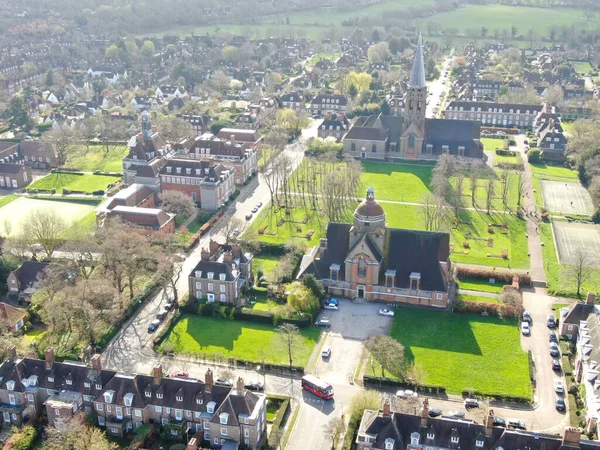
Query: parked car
525	329
162	314
435	412
517	424
259	204
527	317
330	307
248	216
254	209
501	133
326	353
560	404
255	386
406	394
471	403
559	386
550	321
526	141
386	312
153	325
556	364
554	351
168	306
456	415
223	382
333	301
553	337
324	323
499	422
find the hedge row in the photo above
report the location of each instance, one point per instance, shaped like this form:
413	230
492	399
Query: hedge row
380	381
566	366
502	152
505	277
148	291
492	309
282	412
500	397
532	376
85	200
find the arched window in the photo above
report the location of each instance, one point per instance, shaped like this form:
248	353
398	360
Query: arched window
353	147
362	267
411	141
374	148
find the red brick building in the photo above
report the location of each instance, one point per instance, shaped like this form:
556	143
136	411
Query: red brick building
149	220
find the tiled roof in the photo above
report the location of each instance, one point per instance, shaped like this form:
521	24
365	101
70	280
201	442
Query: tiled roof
11	168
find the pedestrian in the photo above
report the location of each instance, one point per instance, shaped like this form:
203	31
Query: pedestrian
536	229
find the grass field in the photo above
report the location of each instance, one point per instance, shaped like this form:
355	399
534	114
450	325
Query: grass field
197	335
490	144
548	172
74	182
473	284
582	67
398	182
6	200
96	158
265	263
464	351
559	283
477	298
319	56
15	211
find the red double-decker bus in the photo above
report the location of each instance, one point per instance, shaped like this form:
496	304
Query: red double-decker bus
318	387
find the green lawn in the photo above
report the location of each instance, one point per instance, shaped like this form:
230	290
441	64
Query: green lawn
464	351
474	284
319	56
501	159
398	182
74	182
490	144
265	263
197	335
549	172
96	158
6	200
478	298
582	67
559	283
17	210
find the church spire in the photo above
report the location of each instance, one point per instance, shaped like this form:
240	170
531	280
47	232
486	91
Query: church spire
417	76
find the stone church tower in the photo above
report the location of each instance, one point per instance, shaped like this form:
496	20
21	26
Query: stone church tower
415	105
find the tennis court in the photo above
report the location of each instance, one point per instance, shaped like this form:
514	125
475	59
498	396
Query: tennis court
570	237
566	198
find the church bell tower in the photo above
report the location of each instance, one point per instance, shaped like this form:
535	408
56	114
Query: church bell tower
415	105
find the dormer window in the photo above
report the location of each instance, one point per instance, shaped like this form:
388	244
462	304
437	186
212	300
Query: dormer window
211	275
430	435
389	444
69	382
108	396
10	385
159	395
479	443
198	274
198	172
199	401
87	384
178	169
210	407
128	399
414	438
223	418
179	398
169	169
188	171
98	386
148	394
454	439
222	276
51	379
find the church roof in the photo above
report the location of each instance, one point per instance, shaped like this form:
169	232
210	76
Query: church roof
454	134
417	75
369	208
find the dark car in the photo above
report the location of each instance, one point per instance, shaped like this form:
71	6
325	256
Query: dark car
325	323
435	412
162	314
254	386
560	404
527	317
552	337
550	321
248	216
499	422
556	364
554	351
223	382
168	306
153	325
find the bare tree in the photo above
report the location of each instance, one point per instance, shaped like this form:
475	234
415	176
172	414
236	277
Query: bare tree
520	186
334	429
230	227
473	181
388	352
61	139
72	434
44	227
490	190
174	129
505	186
458	191
176	202
290	339
580	268
432	212
440	178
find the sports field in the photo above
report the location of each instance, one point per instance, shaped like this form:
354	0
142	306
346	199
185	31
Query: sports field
15	211
85	182
566	198
573	237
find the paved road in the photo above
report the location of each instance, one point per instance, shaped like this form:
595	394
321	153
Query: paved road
436	89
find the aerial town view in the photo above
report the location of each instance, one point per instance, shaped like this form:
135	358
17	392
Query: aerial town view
282	225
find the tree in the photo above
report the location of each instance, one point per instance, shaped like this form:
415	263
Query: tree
176	202
362	81
220	80
230	227
174	129
49	77
229	53
17	113
554	96
112	52
290	338
378	53
44	227
148	48
490	190
459	188
301	298
316	287
432	212
581	267
73	434
534	155
361	402
334	429
61	139
440	178
388	352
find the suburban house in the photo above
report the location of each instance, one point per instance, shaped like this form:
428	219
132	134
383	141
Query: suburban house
570	318
293	101
14	176
9	151
216	416
12	318
494	114
208	183
221	273
333	125
239	135
21	282
239	156
552	144
148	152
149	220
547	117
38	155
412	135
368	260
327	103
389	430
200	123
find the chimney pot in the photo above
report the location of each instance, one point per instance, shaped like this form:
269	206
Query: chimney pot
386	408
208	380
571	437
12	353
157	372
240	385
49	357
591	298
96	364
425	413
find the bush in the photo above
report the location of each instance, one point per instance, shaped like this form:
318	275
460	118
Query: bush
277	422
65	191
379	381
24	438
596	216
532	376
98	192
499	397
483	274
534	155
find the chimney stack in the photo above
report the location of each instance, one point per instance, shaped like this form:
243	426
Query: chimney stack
12	353
489	425
425	413
204	255
49	357
96	364
157	373
213	246
227	257
571	437
591	298
192	444
208	380
240	385
232	138
322	247
386	408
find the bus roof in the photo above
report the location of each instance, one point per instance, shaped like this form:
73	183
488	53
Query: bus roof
316	381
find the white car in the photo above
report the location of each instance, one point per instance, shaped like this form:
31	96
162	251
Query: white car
406	394
326	353
330	307
525	329
386	312
558	386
